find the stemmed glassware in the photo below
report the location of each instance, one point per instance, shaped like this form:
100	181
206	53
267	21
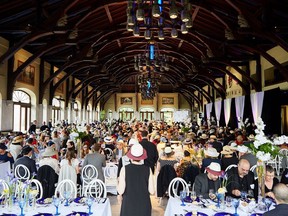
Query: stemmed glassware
21	203
193	196
218	196
235	203
243	195
56	203
268	203
183	195
228	201
89	202
211	194
66	197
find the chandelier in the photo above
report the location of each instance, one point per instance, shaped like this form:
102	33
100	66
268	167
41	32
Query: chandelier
148	85
151	59
150	16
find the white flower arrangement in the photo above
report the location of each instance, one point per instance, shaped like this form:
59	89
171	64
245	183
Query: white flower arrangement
262	147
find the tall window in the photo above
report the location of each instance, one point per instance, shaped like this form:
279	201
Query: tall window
146	113
88	113
56	111
166	114
22	111
76	111
126	114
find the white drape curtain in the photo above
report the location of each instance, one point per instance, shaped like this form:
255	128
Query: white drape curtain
218	105
257	104
239	105
227	109
208	112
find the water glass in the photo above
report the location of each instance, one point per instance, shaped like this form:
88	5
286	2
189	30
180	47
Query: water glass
236	203
268	203
183	195
228	201
243	195
193	195
66	197
56	203
21	203
89	202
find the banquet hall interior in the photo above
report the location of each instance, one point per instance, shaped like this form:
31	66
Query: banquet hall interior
180	69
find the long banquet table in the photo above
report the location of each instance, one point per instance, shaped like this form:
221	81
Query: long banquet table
100	208
174	208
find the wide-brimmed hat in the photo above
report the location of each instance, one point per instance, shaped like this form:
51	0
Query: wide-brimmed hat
227	150
214	168
108	139
17	139
251	137
204	136
187	141
168	150
212	152
137	152
49	151
133	141
213	137
242	148
3	146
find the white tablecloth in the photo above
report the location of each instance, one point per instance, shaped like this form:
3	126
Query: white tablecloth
174	208
98	209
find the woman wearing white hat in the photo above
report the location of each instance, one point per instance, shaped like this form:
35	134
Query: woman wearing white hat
136	184
167	159
47	159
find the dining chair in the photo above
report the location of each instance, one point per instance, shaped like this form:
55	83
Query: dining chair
109	154
37	184
96	189
175	185
88	173
230	166
5	170
253	169
66	185
22	172
110	175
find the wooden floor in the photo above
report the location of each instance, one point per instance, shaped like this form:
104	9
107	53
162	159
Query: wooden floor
157	210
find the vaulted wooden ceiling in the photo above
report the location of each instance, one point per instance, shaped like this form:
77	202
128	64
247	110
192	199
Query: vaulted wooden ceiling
88	39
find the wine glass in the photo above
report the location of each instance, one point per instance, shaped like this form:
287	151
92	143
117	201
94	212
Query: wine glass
243	195
56	203
218	196
268	203
66	197
183	195
193	195
211	194
21	203
228	201
89	202
235	203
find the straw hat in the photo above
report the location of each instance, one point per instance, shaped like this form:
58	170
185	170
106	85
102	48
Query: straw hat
204	136
17	139
213	137
187	141
168	150
49	151
137	152
214	168
251	137
227	150
212	152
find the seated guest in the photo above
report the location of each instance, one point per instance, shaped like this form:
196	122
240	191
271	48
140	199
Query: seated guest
16	146
4	155
167	159
25	159
211	155
241	179
208	181
119	151
280	191
270	181
215	143
228	157
48	159
284	177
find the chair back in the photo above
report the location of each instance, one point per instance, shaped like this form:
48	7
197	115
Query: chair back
22	172
174	187
3	186
5	170
110	175
66	185
109	154
48	178
96	189
68	172
88	173
230	166
37	184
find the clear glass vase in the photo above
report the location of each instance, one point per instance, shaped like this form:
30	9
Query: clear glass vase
9	203
261	170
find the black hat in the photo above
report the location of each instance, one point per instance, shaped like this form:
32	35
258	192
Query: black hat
26	149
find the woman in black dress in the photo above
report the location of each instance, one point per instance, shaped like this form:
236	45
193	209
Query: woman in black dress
136	184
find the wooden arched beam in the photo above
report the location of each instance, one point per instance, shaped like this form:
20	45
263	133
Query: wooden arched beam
201	90
45	31
191	95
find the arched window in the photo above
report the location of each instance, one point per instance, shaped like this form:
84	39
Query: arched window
22	111
56	111
146	113
166	114
126	114
88	114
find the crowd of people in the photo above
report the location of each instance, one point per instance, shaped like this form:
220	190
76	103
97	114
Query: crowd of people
201	156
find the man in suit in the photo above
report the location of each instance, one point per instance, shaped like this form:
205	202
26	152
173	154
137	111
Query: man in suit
151	149
281	209
96	159
26	160
205	182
